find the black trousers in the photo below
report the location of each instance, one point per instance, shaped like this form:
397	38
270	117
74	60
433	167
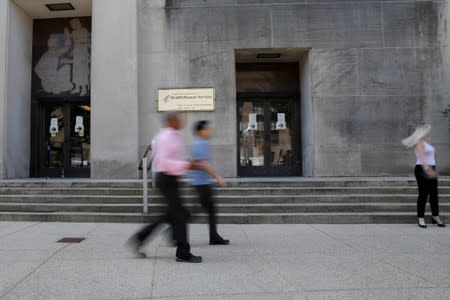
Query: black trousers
205	195
427	187
176	215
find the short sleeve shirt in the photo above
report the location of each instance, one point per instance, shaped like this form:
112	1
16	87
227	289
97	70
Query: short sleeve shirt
200	151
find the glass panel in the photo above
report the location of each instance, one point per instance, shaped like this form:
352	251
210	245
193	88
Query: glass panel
55	133
80	136
251	129
281	135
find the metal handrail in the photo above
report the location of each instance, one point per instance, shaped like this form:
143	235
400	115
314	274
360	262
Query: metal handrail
144	187
149	148
144	162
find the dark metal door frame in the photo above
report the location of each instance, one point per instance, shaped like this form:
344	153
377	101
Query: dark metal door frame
40	146
268	170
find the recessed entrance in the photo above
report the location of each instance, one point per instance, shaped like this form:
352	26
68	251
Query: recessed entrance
269	131
64	128
60	133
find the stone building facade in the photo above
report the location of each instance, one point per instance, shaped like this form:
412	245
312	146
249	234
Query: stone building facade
348	79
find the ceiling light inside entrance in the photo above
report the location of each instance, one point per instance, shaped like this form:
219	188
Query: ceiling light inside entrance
268	55
85	107
59	6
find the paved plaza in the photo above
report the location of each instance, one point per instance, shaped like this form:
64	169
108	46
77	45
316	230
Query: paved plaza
263	262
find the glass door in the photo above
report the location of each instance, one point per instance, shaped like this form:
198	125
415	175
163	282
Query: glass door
268	138
252	135
79	144
55	140
66	147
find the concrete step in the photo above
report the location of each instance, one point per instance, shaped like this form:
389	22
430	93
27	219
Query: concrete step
67	184
222	208
292	200
243	218
238	191
233	182
234	199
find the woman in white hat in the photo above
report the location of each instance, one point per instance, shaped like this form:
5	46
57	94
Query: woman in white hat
425	173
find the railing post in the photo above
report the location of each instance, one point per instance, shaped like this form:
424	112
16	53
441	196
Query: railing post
144	186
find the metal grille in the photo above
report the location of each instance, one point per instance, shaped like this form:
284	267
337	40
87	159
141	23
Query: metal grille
71	240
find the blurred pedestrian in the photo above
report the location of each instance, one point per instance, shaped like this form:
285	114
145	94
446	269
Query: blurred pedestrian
425	172
169	165
201	179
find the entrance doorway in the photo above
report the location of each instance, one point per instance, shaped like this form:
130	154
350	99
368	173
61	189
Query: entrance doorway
60	97
268	115
267	137
64	147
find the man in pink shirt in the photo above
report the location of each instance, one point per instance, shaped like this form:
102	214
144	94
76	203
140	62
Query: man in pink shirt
169	164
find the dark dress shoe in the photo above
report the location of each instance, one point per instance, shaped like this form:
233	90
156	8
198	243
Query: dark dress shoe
422	226
438	224
189	258
135	244
220	241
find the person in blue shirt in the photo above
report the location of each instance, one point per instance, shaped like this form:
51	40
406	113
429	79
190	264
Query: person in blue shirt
201	179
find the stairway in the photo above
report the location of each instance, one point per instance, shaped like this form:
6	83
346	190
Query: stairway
275	200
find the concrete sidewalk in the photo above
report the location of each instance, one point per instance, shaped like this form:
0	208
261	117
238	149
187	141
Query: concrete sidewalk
263	262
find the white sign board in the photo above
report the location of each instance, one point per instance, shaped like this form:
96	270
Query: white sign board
281	121
79	126
54	129
195	99
252	122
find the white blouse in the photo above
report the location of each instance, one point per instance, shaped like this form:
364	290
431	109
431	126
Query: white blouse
429	155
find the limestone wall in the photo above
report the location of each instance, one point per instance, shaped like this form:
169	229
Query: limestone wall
377	69
3	52
441	90
18	102
15	85
114	115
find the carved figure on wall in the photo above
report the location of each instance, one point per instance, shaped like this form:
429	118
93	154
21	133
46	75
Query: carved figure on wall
64	67
81	47
55	77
